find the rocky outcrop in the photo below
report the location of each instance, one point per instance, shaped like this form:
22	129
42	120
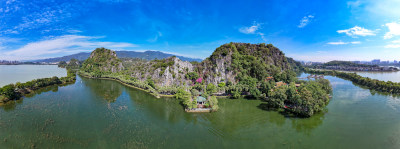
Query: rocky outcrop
166	72
103	60
230	59
225	64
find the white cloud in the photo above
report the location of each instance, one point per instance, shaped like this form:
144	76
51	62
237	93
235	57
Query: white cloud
394	30
355	42
354	3
253	30
4	41
396	41
262	36
250	30
20	16
383	8
337	43
394	44
73	31
343	43
305	21
357	31
61	44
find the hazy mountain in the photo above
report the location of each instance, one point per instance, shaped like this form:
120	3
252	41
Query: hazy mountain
148	55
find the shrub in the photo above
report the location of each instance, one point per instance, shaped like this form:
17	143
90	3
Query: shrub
9	92
222	84
211	88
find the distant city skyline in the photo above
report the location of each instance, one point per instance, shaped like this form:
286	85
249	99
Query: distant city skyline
321	31
371	62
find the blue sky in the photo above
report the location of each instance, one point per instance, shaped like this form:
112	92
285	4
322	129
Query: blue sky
305	30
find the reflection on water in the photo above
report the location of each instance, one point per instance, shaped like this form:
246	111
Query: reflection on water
105	114
108	90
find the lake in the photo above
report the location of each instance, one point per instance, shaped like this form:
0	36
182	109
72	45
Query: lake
384	76
95	113
23	73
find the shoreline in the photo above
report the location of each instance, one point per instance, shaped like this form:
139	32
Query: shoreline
388	71
33	91
371	84
132	86
127	84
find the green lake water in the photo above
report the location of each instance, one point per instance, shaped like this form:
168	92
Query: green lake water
23	73
95	113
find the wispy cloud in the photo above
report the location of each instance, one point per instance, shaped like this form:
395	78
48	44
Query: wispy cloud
355	42
383	8
253	30
27	16
4	41
158	35
117	1
352	4
394	30
62	44
343	43
357	31
337	43
393	44
73	31
305	21
396	41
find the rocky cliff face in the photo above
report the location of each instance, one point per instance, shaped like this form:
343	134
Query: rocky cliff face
166	72
229	62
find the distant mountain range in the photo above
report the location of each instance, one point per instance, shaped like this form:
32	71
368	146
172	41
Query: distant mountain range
148	55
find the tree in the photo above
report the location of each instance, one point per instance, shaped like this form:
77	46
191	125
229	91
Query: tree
9	92
236	93
277	97
195	92
184	97
222	84
213	102
192	76
151	83
211	88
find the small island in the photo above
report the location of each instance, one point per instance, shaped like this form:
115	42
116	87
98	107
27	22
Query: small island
234	70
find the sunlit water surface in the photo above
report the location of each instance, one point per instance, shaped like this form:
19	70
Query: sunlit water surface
23	73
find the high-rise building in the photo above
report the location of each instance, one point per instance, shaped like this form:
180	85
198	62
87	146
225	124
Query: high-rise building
376	61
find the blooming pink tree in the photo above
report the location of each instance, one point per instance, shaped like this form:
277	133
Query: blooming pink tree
199	80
